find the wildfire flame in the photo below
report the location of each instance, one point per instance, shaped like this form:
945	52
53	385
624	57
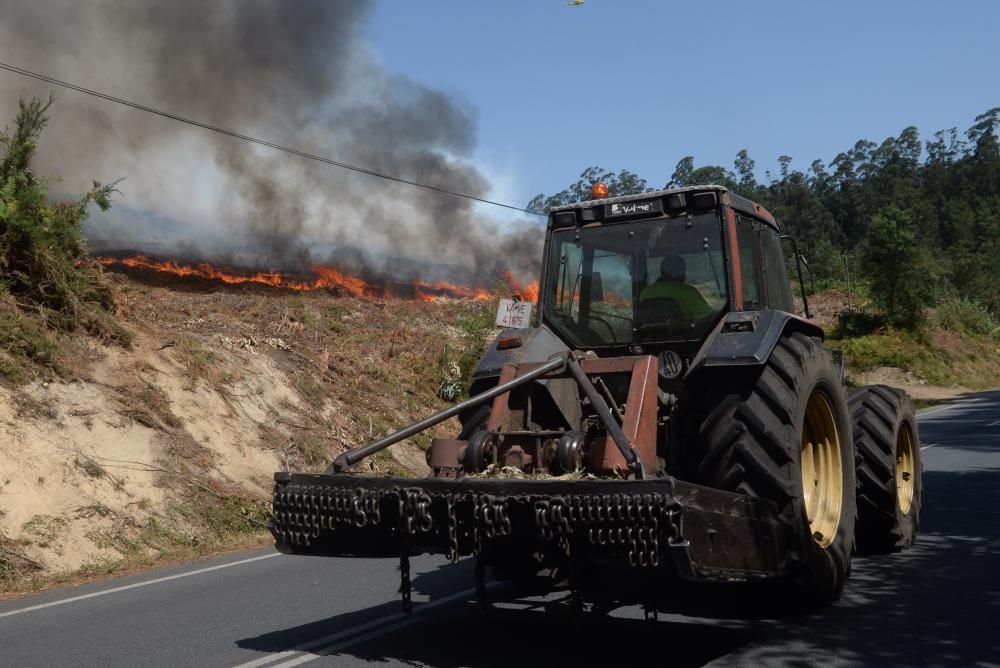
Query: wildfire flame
323	278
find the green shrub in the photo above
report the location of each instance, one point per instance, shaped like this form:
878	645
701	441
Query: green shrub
872	351
41	248
450	390
476	324
910	351
41	242
900	271
858	323
962	315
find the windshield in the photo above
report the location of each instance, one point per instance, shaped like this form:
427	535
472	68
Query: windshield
653	280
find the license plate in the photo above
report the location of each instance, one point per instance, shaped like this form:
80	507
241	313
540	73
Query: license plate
513	313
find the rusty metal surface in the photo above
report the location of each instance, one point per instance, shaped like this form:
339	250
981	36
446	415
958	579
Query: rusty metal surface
736	273
592	365
566	395
609	365
511	416
639	424
606	458
501	404
445	456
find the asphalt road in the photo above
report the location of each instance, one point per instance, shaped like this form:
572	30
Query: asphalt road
937	604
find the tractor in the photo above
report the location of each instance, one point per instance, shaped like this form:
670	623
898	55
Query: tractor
668	414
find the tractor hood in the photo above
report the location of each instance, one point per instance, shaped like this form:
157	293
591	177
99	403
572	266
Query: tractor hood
536	343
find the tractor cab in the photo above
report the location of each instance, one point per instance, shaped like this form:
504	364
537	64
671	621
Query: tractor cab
659	269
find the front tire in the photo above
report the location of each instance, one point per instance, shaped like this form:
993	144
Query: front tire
888	469
784	434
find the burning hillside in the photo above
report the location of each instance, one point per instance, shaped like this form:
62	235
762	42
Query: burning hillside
318	277
324	91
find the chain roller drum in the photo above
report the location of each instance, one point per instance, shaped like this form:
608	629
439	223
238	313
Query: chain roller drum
634	527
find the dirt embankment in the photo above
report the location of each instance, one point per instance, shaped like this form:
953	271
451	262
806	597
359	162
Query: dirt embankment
167	450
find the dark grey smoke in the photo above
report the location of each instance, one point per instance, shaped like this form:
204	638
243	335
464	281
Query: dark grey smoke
298	73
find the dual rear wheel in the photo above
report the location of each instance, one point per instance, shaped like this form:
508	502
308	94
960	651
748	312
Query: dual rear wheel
889	469
784	434
837	471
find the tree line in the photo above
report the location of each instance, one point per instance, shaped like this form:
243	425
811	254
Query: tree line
918	221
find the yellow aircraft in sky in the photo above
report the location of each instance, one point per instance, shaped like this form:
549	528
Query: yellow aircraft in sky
575	3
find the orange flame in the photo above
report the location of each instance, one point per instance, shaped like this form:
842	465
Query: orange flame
324	277
526	291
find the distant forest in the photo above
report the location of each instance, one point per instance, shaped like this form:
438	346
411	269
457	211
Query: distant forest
918	222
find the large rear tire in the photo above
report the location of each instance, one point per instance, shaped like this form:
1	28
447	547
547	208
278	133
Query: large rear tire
784	434
888	469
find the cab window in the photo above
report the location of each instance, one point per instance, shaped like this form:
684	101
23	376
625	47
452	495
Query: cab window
779	290
636	282
750	271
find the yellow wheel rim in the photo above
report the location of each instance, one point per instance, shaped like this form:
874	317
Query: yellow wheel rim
905	466
822	472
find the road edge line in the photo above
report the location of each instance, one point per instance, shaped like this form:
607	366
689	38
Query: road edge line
136	585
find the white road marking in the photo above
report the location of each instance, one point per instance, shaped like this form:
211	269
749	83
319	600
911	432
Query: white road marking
941	409
136	585
313	644
994	423
305	658
929	445
381	626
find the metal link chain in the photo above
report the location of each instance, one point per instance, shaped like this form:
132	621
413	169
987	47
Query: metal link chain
635	526
404	576
452	530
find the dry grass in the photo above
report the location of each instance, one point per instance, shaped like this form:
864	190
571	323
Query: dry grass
362	368
15	566
146	404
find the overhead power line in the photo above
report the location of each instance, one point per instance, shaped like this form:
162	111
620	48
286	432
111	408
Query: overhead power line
262	142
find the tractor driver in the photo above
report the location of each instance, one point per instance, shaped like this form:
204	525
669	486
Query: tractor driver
671	286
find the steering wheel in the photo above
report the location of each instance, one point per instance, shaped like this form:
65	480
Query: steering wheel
611	315
611	330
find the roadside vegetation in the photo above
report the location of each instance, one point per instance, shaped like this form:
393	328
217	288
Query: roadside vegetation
144	423
940	352
44	291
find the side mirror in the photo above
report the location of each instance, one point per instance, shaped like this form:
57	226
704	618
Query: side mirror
596	288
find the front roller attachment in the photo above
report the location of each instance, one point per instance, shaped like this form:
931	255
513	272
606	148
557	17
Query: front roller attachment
698	532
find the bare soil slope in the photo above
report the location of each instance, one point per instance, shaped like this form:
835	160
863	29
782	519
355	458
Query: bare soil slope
167	449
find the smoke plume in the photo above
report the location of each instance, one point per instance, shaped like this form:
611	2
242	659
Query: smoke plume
296	73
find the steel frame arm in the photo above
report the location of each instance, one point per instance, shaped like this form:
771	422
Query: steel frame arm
351	457
603	412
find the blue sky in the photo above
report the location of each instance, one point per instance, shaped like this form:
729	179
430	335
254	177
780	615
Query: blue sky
640	84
